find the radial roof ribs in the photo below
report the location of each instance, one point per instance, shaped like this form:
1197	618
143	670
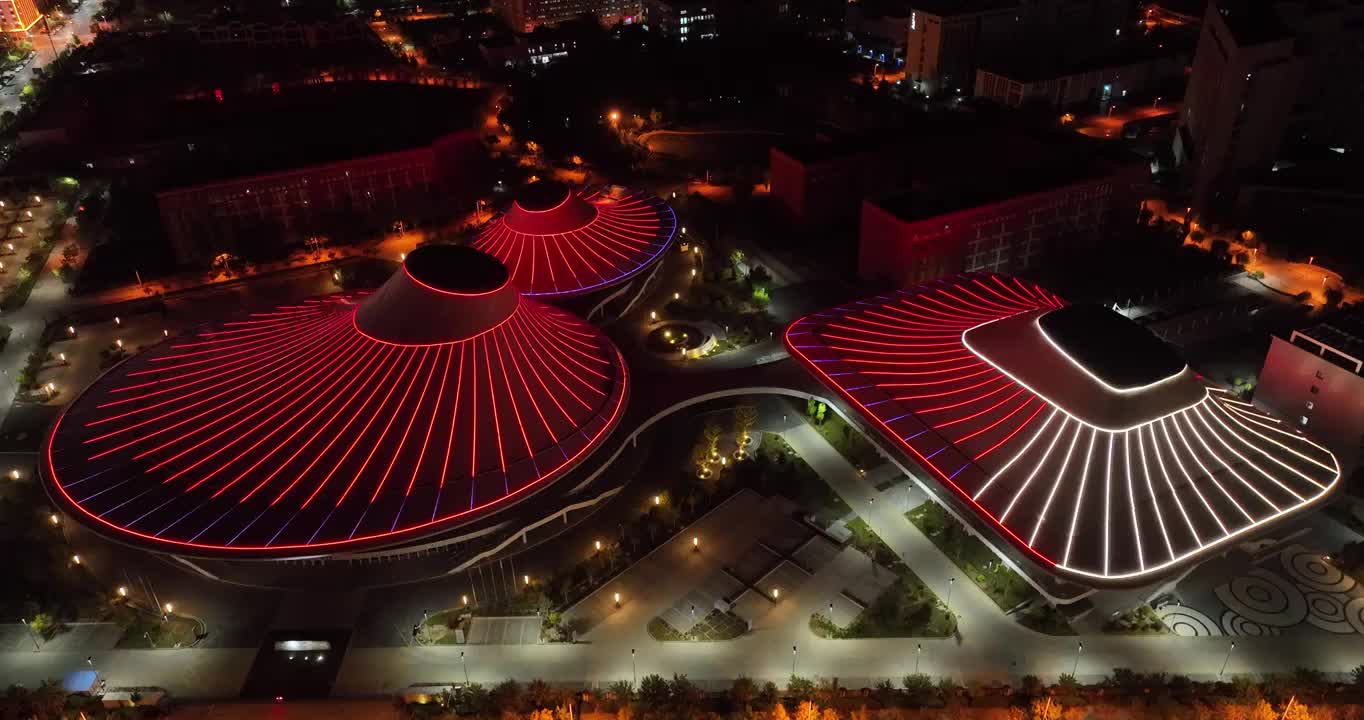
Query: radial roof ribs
1112	472
341	423
562	242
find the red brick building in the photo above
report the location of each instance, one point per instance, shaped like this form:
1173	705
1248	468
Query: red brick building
287	207
913	237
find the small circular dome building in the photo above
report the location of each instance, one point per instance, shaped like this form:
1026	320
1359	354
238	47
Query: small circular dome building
561	242
342	423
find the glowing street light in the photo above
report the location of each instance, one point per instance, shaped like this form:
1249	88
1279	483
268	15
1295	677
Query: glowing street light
616	597
464	599
597	545
658	499
122	591
677	296
75	559
653	315
118	321
53	519
71	330
14	474
62	357
684	229
776	593
169	608
526	578
695	544
119	343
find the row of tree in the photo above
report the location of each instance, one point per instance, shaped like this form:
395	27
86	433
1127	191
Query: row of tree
1302	695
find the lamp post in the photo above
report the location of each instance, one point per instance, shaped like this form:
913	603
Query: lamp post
463	661
794	653
951	582
31	635
634	673
1079	648
918	655
1226	660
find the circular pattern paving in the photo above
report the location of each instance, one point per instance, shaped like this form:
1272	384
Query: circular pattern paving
1187	622
1240	626
1354	614
1314	571
1264	598
1327	611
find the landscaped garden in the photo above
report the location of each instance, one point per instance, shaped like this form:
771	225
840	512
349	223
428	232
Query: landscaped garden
843	437
716	625
979	563
1140	620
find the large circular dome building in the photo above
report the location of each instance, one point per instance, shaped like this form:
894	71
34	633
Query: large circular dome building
342	423
561	242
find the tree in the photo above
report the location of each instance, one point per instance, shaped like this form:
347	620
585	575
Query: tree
779	712
742	692
1262	710
806	710
917	683
684	695
653	692
811	406
1044	709
711	433
506	696
1358	674
620	694
1297	711
799	687
744	418
819	414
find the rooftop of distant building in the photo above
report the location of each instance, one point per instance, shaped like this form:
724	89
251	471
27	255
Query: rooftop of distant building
1342	333
953	8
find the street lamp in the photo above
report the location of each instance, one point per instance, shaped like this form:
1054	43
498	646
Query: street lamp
952	581
695	544
1226	660
616	597
1079	648
464	599
918	655
596	544
75	559
526	578
658	499
31	635
122	591
465	663
53	519
634	673
794	653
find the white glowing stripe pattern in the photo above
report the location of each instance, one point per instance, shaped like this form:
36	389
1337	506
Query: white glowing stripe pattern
1098	504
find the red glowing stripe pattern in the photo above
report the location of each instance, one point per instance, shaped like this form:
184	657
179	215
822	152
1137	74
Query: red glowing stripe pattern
293	431
628	233
1099	504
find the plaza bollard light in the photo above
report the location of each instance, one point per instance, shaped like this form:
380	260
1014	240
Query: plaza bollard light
695	544
53	518
122	591
616	597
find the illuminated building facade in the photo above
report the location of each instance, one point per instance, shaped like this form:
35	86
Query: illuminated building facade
19	16
1315	379
341	424
1072	434
681	20
527	15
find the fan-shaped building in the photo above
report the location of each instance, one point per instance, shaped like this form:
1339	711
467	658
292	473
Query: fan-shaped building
561	242
343	423
1072	432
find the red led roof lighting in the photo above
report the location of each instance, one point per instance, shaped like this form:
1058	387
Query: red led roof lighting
1188	470
293	431
564	242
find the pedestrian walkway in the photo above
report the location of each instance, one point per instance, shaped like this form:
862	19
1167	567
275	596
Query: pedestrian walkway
975	611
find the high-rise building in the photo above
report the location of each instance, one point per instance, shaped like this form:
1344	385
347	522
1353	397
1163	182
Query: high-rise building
681	20
18	16
1314	377
1269	74
527	15
949	39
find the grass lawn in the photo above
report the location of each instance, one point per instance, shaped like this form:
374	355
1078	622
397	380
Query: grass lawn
795	479
716	625
146	630
848	442
1007	588
439	628
1140	620
1044	618
905	609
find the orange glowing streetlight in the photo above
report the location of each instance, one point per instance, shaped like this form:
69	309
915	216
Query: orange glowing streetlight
614	116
